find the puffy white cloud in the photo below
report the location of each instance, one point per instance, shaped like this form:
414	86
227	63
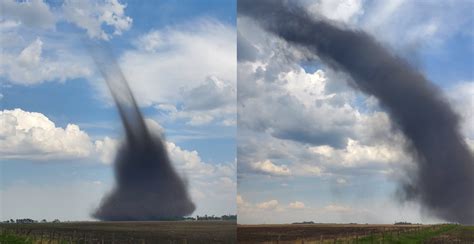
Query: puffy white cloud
31	54
184	59
106	149
268	167
269	205
34	55
30	67
187	71
308	122
415	23
35	13
355	154
93	16
210	184
296	205
312	121
205	103
33	136
101	19
403	24
239	200
340	10
189	161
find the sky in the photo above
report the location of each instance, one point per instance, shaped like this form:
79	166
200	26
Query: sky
310	147
60	128
290	141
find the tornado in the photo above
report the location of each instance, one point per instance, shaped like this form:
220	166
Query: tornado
147	186
443	181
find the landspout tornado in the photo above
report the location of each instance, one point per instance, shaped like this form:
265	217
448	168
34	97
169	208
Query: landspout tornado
444	179
147	186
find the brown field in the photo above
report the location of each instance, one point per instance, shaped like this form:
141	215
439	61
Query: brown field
127	232
317	233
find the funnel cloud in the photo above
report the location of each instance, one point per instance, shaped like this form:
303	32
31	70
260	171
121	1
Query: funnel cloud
443	181
147	185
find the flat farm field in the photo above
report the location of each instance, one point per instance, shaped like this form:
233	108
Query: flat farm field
123	232
340	233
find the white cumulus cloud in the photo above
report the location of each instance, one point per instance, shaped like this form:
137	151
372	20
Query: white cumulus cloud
269	205
30	135
296	205
94	16
30	67
268	167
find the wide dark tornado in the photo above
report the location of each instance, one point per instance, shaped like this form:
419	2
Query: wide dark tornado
147	185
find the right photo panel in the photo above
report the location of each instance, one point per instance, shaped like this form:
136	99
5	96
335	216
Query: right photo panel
355	121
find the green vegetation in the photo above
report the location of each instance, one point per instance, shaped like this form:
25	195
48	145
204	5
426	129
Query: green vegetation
461	234
414	236
13	239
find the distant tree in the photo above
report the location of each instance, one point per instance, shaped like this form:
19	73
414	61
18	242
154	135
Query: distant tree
229	217
44	221
403	223
56	221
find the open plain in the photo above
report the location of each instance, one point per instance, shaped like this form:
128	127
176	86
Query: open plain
352	233
124	232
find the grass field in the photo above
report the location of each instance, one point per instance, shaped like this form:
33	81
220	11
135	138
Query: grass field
460	234
337	233
121	232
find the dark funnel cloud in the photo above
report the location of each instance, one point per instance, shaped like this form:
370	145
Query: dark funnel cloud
147	185
444	178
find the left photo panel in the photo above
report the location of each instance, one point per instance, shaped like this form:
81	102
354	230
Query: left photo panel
118	121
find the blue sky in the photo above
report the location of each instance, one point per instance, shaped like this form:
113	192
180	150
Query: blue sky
61	126
310	147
